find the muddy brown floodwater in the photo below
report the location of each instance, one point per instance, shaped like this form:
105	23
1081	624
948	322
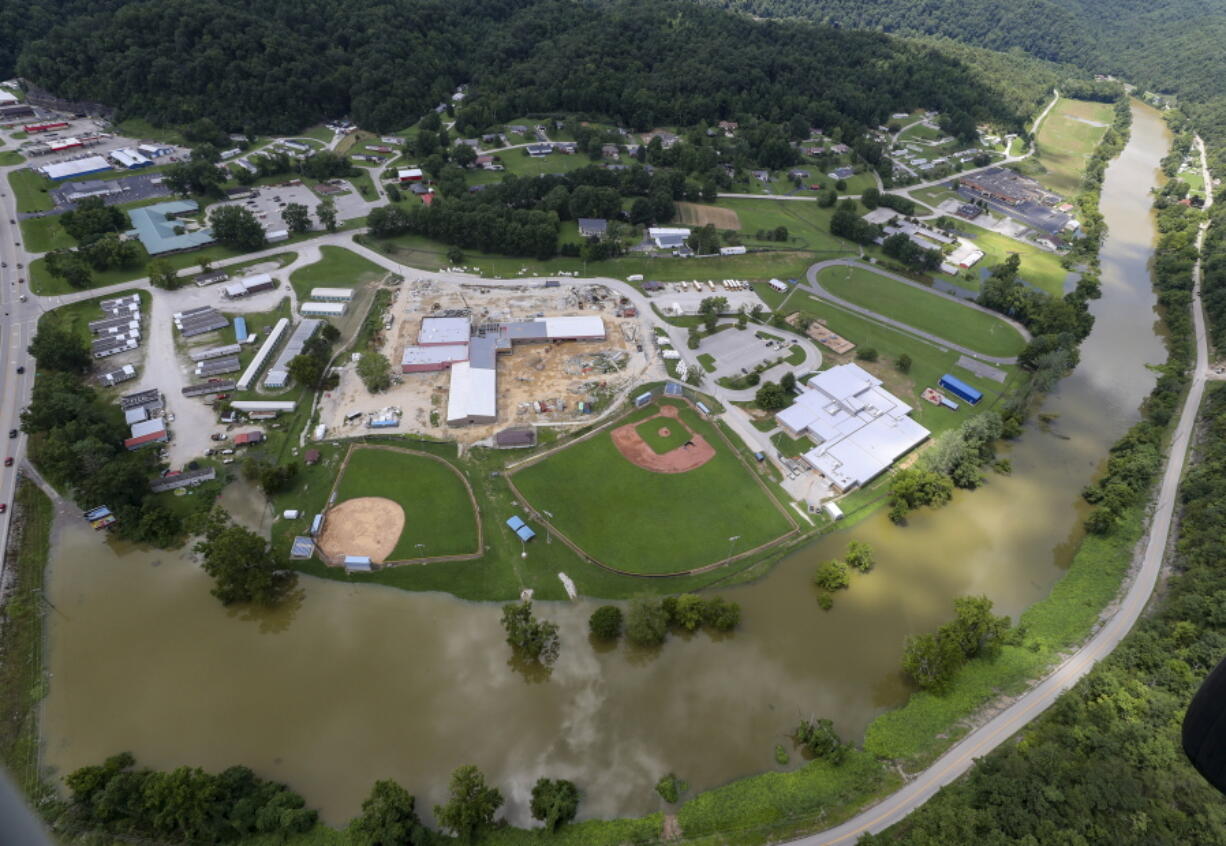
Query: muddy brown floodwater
350	684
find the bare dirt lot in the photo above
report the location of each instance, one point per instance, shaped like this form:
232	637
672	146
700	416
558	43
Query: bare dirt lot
694	214
537	383
368	525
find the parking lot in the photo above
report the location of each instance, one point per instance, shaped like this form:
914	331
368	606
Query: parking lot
271	200
138	186
690	301
736	351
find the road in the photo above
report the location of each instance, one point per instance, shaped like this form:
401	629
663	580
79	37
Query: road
961	757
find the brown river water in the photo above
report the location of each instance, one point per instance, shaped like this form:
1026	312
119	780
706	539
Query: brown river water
355	683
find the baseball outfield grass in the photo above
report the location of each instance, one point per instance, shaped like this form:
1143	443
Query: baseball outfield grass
438	513
644	522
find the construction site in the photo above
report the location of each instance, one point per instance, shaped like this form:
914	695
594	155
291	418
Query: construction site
555	382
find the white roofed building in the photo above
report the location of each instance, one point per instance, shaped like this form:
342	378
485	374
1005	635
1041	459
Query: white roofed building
859	428
472	396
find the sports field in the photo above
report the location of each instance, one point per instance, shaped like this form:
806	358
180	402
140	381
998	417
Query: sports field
662	436
644	522
922	310
438	509
1068	136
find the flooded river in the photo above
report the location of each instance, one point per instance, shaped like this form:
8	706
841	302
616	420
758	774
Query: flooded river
352	684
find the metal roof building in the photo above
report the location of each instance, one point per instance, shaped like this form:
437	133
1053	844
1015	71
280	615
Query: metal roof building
339	295
264	405
155	227
264	353
78	167
425	359
321	309
472	396
129	158
278	374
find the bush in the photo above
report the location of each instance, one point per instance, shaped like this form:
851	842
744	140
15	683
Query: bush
832	575
903	363
868	354
817	737
722	615
860	556
825	600
606	622
647	622
670	788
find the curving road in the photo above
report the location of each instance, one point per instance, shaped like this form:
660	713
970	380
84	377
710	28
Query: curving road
983	740
815	287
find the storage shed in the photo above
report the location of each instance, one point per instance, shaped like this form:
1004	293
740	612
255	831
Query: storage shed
960	389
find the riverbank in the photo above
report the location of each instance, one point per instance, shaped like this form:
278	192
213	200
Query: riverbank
22	680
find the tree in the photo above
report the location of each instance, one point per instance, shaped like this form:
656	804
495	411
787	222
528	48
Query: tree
818	738
870	197
55	347
689	611
472	805
393	194
771	397
671	788
554	802
536	640
646	622
788	381
375	372
162	274
326	212
306	370
242	564
330	333
721	614
867	354
237	228
70	266
606	622
389	818
860	556
832	575
464	155
903	363
297	218
931	661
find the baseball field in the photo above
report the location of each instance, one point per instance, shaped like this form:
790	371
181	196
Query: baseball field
651	503
396	505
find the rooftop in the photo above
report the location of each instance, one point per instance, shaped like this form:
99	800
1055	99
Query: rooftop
155	227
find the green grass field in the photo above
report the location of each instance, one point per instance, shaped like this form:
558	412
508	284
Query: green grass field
1067	138
1039	267
650	430
30	190
337	268
808	224
919	132
928	363
633	519
44	234
922	310
9	158
438	514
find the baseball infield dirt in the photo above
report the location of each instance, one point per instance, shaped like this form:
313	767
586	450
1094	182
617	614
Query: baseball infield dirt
368	525
695	453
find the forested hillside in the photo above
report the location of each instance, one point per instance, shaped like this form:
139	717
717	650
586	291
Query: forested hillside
1169	46
272	65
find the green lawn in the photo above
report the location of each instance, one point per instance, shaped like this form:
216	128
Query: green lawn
919	132
935	196
30	190
521	164
928	363
75	317
44	234
1039	267
707	361
438	513
632	519
1066	140
922	310
808	224
796	355
790	447
650	431
338	268
11	157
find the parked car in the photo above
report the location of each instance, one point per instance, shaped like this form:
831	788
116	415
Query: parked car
12	433
20	369
8	462
3	507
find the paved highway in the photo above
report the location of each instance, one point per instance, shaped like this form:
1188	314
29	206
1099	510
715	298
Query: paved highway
983	740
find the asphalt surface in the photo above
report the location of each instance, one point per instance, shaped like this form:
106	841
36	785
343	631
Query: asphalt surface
1012	719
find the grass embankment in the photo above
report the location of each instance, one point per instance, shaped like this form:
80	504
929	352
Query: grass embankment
439	518
1067	138
644	522
922	310
337	268
30	191
1039	267
22	684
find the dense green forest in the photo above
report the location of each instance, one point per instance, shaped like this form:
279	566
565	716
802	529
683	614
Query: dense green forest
268	65
1169	46
1104	765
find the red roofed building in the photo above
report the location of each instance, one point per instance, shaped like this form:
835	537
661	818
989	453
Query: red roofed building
427	199
245	438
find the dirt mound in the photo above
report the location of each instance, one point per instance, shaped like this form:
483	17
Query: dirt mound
368	525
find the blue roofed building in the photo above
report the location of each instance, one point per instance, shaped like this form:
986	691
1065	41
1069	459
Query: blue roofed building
156	227
519	527
240	329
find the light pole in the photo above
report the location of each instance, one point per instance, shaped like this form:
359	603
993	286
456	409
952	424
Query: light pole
731	541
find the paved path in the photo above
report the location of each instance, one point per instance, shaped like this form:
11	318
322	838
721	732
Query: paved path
961	757
815	286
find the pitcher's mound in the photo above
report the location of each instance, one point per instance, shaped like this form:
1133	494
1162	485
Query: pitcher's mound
368	525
